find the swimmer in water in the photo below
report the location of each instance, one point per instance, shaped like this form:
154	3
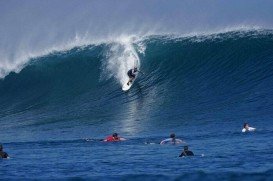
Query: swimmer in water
171	140
114	137
186	152
2	153
247	128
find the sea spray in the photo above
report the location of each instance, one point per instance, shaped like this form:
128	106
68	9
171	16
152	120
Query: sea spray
119	58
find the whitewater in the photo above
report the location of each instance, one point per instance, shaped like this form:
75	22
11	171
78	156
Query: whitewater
62	73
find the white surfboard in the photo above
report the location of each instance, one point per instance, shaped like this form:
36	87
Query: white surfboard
126	87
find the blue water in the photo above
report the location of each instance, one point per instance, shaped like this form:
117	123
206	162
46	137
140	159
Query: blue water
203	88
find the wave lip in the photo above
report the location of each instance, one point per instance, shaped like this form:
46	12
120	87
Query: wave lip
204	75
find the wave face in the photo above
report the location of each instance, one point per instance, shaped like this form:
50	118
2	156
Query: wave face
220	76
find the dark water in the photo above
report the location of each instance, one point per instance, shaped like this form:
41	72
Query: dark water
202	88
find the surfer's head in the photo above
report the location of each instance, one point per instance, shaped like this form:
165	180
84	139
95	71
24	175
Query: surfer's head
245	125
1	147
115	135
186	148
172	135
135	69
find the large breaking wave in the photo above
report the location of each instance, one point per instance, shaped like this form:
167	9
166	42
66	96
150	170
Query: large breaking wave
201	76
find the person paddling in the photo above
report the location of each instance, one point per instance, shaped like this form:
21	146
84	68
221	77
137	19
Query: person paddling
186	152
114	137
172	140
247	128
2	153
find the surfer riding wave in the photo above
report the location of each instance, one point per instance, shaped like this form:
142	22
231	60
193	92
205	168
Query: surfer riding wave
132	74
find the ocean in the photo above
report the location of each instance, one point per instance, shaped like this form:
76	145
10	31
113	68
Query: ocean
57	109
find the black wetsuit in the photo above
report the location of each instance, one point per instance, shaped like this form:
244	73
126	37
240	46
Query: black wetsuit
3	154
131	74
186	153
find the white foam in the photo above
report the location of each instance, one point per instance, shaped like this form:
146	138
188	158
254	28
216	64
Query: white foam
17	60
121	57
28	30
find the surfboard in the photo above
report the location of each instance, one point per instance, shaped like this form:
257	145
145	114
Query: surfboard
126	87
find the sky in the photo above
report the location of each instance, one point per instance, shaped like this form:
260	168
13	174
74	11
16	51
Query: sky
33	28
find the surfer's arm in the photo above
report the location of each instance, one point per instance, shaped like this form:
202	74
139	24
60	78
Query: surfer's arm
251	129
163	142
182	154
141	72
179	141
106	139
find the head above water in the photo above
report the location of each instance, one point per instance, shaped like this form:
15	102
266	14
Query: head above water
115	135
172	135
246	125
186	148
1	147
